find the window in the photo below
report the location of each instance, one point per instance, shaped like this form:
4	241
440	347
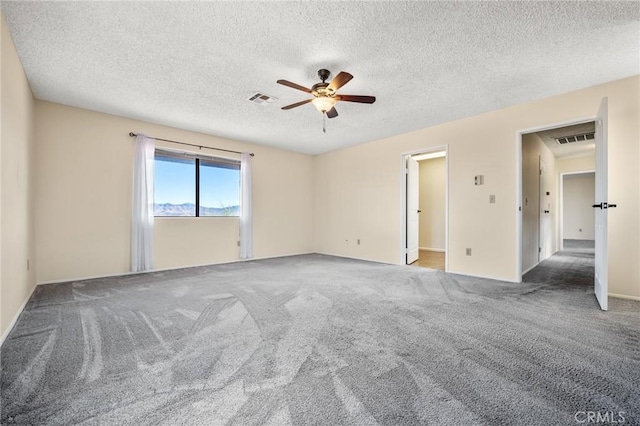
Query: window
190	185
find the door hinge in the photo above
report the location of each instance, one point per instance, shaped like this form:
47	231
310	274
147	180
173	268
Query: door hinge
539	249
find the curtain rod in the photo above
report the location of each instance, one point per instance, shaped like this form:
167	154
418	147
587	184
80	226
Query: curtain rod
190	144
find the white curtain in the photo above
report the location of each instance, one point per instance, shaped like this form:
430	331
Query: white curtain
142	223
246	219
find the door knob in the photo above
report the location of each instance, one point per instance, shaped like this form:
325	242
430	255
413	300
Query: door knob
419	211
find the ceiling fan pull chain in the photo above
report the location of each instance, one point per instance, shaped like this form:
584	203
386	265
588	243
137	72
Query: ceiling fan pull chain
324	123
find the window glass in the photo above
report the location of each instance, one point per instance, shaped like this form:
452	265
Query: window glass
219	189
179	192
174	186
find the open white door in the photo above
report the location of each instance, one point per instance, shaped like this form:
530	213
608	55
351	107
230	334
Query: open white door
413	190
544	249
601	206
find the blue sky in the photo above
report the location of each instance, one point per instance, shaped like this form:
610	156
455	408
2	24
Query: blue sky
175	184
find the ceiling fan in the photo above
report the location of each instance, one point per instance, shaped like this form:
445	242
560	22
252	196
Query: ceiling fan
324	94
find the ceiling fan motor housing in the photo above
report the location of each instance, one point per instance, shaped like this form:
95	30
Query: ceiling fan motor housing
324	74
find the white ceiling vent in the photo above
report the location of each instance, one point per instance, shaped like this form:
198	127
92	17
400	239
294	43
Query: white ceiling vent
262	99
576	138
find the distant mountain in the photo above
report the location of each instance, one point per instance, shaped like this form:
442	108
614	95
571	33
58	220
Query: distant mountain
189	209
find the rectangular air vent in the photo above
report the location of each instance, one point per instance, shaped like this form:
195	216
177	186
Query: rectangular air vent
576	138
262	99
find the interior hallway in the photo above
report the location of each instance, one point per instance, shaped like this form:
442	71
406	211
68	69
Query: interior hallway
571	267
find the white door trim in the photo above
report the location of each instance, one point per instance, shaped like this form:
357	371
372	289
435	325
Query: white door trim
518	209
403	201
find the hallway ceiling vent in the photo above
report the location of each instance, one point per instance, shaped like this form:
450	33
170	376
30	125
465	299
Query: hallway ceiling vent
576	138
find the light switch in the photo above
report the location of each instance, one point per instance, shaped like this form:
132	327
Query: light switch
492	199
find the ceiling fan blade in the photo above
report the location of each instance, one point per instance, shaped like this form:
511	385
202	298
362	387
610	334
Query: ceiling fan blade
297	104
356	98
340	80
293	85
332	113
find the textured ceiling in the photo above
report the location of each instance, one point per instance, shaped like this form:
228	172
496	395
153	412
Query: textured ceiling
193	65
573	149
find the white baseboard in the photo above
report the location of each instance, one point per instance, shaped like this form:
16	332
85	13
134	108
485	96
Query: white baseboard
16	316
95	277
624	296
124	274
483	276
357	258
432	249
524	272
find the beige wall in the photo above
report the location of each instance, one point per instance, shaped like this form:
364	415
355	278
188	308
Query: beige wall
433	183
534	150
84	176
578	216
195	241
577	164
17	185
367	179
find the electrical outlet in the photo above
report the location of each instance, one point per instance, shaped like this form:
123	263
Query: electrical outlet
468	252
492	199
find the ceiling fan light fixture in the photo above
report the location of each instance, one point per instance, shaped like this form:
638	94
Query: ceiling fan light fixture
323	103
324	94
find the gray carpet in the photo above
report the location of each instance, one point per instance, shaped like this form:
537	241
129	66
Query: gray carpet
320	340
571	268
578	245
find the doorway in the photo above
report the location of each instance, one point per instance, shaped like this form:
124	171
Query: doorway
577	216
545	154
425	208
545	158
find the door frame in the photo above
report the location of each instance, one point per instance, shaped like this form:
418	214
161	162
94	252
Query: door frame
518	209
561	204
403	201
542	235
